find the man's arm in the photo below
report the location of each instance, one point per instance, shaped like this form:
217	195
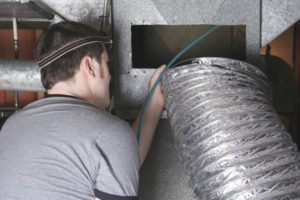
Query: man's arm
151	116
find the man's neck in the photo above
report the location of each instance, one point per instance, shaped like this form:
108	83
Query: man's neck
70	89
62	88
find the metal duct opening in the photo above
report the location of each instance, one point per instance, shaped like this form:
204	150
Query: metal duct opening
153	45
229	137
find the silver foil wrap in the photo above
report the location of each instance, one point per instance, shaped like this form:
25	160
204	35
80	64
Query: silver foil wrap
229	137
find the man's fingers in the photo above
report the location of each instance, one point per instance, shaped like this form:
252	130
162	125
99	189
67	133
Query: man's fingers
158	71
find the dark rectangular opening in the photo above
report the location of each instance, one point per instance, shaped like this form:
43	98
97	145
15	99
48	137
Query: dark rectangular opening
153	45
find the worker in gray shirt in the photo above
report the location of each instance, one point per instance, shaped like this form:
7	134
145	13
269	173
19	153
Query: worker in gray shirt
65	146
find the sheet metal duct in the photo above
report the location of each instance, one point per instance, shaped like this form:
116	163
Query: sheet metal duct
264	20
20	75
277	16
40	13
232	142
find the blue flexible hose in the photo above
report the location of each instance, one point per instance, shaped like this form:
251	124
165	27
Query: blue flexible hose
150	94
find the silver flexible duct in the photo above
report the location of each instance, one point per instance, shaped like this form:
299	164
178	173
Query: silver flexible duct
232	142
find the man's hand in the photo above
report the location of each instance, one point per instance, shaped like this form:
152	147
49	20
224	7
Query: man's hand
158	97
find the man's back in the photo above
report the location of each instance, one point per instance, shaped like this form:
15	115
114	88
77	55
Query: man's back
64	148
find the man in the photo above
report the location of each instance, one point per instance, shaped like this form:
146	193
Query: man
66	146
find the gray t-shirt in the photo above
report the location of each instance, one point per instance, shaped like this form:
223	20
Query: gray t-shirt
62	148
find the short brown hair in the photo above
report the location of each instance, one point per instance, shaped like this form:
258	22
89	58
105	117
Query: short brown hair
65	67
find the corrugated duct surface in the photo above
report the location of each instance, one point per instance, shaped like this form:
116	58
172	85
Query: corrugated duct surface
229	137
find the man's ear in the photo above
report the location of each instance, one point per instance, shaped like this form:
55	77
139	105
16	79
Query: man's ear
87	66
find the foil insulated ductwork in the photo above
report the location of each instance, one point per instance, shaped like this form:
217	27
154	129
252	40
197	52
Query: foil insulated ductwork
229	137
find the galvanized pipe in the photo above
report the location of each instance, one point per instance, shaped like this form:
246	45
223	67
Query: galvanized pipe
229	137
15	37
20	75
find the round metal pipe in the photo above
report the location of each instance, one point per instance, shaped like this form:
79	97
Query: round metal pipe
229	137
15	37
20	75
